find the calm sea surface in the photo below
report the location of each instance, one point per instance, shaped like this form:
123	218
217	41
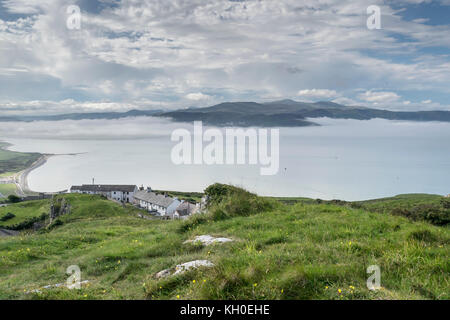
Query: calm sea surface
342	159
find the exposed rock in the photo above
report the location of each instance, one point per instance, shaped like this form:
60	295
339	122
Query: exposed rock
182	268
208	240
58	285
8	233
163	274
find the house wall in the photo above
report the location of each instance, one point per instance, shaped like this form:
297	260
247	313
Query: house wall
173	206
115	195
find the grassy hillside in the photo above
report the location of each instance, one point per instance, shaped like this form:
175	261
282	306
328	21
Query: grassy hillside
299	251
403	201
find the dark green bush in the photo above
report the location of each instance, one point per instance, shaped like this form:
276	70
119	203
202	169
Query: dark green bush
446	203
55	224
7	216
13	198
226	201
27	224
427	212
218	192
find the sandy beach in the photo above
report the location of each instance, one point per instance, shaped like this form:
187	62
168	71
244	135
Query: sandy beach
20	179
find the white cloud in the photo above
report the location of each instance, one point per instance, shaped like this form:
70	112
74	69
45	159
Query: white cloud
379	96
198	96
171	52
317	93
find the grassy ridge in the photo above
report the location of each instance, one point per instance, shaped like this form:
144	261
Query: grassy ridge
300	251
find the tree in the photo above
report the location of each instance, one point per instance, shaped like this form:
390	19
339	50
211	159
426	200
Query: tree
13	198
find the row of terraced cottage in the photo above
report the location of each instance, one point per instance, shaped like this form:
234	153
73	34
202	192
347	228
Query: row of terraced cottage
157	204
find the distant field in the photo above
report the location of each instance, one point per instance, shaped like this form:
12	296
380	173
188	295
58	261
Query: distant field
407	201
188	196
299	251
11	161
7	189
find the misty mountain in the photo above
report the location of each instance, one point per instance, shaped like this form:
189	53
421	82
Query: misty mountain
283	113
286	113
83	116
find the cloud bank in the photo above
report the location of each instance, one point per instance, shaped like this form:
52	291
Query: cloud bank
171	54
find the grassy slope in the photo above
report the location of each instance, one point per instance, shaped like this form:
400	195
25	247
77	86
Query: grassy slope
293	252
407	201
24	211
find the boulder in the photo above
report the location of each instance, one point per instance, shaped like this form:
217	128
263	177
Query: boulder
182	268
208	240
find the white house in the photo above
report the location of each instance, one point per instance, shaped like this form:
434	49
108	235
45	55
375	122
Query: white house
161	204
122	193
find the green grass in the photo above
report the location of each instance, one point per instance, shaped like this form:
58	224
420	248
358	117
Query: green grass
404	201
12	162
24	211
300	251
7	189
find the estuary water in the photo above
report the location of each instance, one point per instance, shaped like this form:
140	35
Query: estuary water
341	159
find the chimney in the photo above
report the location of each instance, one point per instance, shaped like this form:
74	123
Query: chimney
93	181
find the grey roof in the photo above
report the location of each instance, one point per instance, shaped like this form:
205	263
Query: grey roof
186	209
104	188
154	198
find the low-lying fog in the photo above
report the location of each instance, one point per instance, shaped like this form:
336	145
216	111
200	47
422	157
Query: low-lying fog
345	159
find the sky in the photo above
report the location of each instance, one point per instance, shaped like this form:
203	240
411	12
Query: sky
170	54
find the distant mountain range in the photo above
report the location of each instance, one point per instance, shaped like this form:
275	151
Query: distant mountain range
289	113
284	113
83	116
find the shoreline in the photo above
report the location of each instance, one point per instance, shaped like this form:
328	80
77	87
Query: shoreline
20	179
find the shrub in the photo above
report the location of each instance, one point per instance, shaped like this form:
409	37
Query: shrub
7	216
427	212
27	224
13	198
218	192
193	222
225	201
55	224
445	202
